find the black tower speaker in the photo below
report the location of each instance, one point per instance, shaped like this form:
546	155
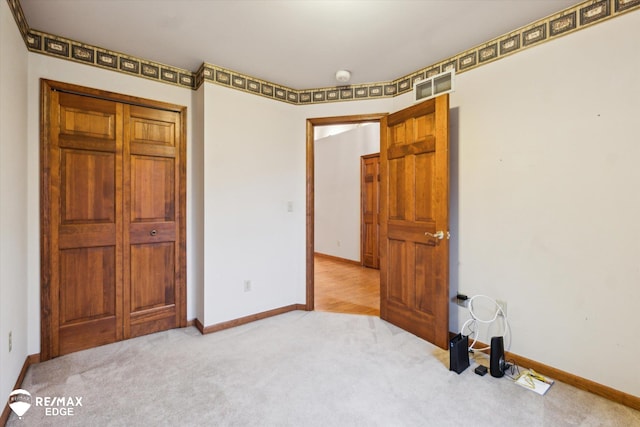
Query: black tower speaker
459	353
496	362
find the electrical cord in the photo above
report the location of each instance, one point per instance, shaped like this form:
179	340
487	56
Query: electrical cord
472	323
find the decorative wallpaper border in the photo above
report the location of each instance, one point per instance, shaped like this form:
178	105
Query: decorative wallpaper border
91	55
559	24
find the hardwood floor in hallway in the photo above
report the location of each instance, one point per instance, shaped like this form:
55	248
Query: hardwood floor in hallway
343	287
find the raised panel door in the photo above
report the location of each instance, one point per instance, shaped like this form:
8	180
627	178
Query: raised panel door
370	210
86	226
414	170
151	227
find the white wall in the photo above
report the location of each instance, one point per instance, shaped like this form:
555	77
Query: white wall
254	156
13	201
545	199
337	189
41	66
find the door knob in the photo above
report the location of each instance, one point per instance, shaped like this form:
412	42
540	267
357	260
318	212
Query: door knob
437	235
153	232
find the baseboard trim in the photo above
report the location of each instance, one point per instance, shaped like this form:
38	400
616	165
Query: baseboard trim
247	319
190	323
29	360
336	258
576	381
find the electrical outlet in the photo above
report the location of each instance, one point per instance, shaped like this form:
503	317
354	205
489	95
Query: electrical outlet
503	306
338	242
247	285
10	341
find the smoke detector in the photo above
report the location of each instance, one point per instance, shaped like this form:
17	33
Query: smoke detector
343	76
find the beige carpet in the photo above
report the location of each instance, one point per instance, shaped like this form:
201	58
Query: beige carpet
296	369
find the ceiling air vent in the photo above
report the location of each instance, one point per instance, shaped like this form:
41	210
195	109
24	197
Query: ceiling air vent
434	86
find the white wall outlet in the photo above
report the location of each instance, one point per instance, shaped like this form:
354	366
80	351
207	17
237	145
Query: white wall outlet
338	242
503	305
289	206
247	285
10	341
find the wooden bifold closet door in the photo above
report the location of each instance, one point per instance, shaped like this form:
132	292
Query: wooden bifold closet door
113	228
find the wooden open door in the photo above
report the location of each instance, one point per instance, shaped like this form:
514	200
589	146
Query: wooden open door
414	219
370	210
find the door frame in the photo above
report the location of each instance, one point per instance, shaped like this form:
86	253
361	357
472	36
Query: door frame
46	88
311	123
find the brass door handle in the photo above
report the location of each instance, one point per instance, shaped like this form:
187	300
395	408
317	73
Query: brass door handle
437	235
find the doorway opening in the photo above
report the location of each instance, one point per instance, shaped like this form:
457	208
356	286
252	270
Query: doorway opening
341	284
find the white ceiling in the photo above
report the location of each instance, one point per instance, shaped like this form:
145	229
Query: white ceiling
296	43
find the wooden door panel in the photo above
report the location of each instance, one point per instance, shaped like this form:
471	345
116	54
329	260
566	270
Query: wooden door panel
85	261
399	134
424	127
89	334
425	295
152	235
152	276
153	320
369	244
86	299
152	189
153	150
397	274
370	178
153	126
399	151
151	290
71	236
152	232
87	284
370	210
410	231
424	173
415	195
87	117
397	196
88	187
152	131
87	124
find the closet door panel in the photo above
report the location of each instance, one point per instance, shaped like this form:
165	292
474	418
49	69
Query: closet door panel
85	209
151	237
